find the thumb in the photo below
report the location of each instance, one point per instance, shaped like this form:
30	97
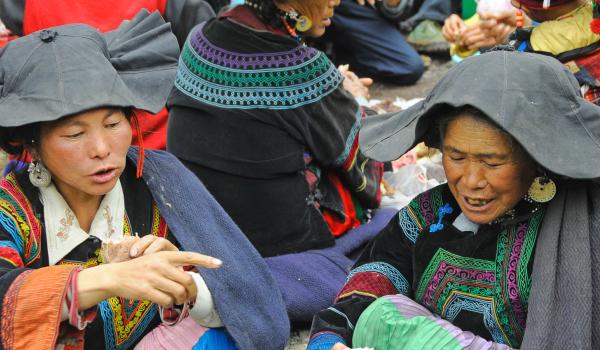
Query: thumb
366	81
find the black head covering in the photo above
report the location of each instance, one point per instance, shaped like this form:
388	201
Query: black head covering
532	97
69	69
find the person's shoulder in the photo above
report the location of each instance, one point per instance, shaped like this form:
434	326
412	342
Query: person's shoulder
567	33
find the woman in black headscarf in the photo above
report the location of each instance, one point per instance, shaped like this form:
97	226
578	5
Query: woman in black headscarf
505	254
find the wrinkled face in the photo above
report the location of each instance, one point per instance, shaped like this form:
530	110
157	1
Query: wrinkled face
318	11
486	174
85	153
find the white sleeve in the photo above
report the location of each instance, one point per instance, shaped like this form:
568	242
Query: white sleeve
204	312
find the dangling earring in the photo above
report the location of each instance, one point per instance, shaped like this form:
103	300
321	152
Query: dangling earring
520	19
303	24
38	174
542	189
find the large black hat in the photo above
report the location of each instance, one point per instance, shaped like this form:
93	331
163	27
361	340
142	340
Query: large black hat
69	69
532	97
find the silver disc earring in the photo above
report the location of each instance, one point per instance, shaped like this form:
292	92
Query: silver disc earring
38	174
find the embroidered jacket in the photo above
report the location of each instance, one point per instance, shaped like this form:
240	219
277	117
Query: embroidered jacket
266	125
119	323
477	282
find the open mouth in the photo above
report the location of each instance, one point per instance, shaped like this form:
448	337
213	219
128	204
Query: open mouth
103	172
476	202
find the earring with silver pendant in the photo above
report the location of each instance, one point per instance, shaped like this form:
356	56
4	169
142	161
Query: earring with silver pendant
38	174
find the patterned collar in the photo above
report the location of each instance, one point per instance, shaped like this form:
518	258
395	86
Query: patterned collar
63	232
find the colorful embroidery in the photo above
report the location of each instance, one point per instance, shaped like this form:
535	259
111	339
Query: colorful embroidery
125	320
371	284
498	290
65	225
227	79
409	224
348	156
395	276
159	226
18	219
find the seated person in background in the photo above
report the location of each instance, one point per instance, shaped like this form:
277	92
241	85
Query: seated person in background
23	17
485	261
568	30
73	272
270	127
482	30
367	35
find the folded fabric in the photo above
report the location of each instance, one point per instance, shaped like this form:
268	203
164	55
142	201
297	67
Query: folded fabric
309	281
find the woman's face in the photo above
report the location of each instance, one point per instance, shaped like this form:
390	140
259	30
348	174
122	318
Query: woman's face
486	174
318	11
85	153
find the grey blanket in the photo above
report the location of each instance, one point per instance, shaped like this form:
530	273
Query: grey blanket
563	310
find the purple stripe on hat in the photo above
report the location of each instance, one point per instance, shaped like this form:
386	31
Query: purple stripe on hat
236	60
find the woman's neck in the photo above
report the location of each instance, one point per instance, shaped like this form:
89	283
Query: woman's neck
83	205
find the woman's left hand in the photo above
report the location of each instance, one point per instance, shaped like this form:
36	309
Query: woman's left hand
358	87
150	244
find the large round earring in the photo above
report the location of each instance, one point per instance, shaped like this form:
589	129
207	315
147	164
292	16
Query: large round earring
542	189
38	174
303	24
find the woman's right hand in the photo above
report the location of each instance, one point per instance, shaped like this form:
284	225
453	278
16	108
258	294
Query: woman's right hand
157	277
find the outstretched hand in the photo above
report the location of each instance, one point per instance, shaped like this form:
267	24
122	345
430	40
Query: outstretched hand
358	87
157	277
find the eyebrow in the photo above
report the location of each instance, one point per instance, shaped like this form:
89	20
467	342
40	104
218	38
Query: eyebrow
480	155
77	122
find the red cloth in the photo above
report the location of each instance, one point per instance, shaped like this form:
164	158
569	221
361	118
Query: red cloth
104	15
338	225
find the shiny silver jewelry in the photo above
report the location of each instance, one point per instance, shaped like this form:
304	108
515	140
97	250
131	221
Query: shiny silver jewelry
38	174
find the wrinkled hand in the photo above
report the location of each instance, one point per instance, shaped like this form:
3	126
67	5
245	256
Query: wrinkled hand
150	244
157	277
453	28
358	87
476	37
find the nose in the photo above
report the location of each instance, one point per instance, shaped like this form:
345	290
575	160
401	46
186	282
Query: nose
474	176
99	146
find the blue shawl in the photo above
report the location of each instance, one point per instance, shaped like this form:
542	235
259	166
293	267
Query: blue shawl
245	293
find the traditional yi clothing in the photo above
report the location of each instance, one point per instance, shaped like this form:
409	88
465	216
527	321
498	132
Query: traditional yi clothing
42	247
267	126
432	279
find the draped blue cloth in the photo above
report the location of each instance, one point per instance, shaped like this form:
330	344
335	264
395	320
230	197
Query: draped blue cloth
244	291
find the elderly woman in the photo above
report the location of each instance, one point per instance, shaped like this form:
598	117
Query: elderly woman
268	126
89	253
505	254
